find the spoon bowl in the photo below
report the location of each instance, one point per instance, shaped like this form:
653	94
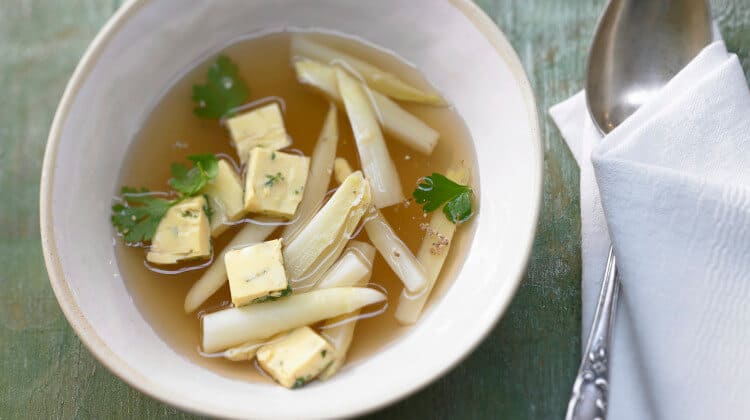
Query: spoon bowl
638	47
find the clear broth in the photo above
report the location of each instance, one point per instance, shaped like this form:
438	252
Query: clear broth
171	132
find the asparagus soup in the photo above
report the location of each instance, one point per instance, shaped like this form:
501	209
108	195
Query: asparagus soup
292	204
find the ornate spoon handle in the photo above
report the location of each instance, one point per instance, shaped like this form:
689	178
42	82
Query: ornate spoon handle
591	387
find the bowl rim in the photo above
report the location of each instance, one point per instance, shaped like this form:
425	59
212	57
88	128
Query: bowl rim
107	357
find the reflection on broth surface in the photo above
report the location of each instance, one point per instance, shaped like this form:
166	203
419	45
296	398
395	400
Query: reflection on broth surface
171	132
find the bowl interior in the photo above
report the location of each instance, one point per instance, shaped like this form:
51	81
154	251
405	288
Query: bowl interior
132	62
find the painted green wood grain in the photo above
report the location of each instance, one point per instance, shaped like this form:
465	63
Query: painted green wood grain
522	371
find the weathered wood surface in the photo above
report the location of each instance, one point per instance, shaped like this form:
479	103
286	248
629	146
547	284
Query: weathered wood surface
522	371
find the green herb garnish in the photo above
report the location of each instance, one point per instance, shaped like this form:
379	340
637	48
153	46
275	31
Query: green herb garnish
188	182
435	190
272	179
300	382
223	91
274	296
323	353
138	214
207	208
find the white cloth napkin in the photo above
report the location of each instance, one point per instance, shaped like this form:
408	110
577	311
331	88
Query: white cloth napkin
674	183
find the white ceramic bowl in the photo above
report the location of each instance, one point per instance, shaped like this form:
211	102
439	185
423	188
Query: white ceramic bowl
130	63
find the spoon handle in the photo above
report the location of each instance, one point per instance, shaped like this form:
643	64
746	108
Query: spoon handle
591	387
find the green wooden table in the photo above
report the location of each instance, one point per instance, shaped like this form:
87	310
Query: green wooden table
522	371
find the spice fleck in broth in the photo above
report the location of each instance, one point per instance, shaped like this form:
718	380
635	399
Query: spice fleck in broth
171	132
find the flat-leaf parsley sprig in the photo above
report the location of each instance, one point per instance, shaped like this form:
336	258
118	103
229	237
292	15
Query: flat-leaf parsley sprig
224	90
189	181
437	190
138	212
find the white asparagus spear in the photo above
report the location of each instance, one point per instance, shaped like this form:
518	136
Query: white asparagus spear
396	121
321	241
398	256
404	126
385	82
432	254
354	266
319	76
234	326
245	351
341	169
377	164
395	252
321	167
216	275
338	334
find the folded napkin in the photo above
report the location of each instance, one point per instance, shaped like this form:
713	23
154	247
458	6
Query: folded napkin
674	183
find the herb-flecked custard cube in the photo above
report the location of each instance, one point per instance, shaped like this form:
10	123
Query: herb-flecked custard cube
296	358
183	234
275	182
255	271
262	127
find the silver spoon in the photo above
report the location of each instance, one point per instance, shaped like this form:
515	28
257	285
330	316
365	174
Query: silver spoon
638	47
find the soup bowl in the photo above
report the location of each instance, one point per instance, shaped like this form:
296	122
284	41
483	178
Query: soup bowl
130	64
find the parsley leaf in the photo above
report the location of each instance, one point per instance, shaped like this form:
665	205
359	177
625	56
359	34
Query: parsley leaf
138	215
272	179
223	90
435	190
300	382
207	208
274	296
458	210
189	182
